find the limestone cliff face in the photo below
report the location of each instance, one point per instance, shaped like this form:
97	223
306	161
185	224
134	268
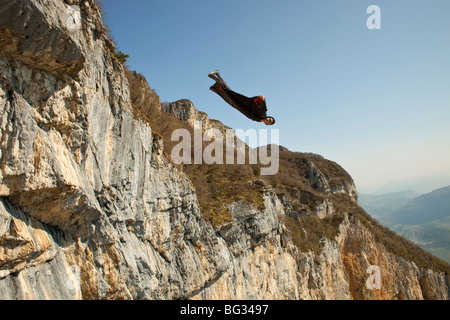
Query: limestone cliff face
86	189
92	208
186	111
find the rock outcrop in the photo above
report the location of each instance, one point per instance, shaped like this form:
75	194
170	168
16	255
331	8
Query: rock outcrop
92	208
185	111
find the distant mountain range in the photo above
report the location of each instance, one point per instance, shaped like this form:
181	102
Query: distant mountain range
381	206
423	219
425	208
420	184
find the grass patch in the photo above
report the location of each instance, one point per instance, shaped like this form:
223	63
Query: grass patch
308	231
219	185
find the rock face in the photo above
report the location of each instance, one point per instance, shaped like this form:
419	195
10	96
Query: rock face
92	208
185	111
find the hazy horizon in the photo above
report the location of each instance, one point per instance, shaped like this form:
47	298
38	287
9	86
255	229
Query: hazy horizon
419	184
374	101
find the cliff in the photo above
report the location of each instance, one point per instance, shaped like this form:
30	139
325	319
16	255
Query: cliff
92	207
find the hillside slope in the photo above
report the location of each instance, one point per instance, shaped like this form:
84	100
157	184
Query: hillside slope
381	206
424	208
425	219
92	207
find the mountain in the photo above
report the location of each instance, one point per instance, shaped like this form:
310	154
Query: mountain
381	206
423	219
95	205
424	208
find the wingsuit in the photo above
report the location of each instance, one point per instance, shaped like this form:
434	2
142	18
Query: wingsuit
253	108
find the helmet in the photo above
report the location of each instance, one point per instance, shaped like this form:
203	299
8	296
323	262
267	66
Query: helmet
273	119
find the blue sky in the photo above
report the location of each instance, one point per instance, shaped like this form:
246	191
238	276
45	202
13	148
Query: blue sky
375	101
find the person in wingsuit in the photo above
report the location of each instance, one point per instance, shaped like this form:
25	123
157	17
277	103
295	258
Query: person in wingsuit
253	108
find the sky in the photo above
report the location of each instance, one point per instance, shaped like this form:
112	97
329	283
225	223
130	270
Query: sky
376	101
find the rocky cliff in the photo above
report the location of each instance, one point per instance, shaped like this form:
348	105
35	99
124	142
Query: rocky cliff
92	207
